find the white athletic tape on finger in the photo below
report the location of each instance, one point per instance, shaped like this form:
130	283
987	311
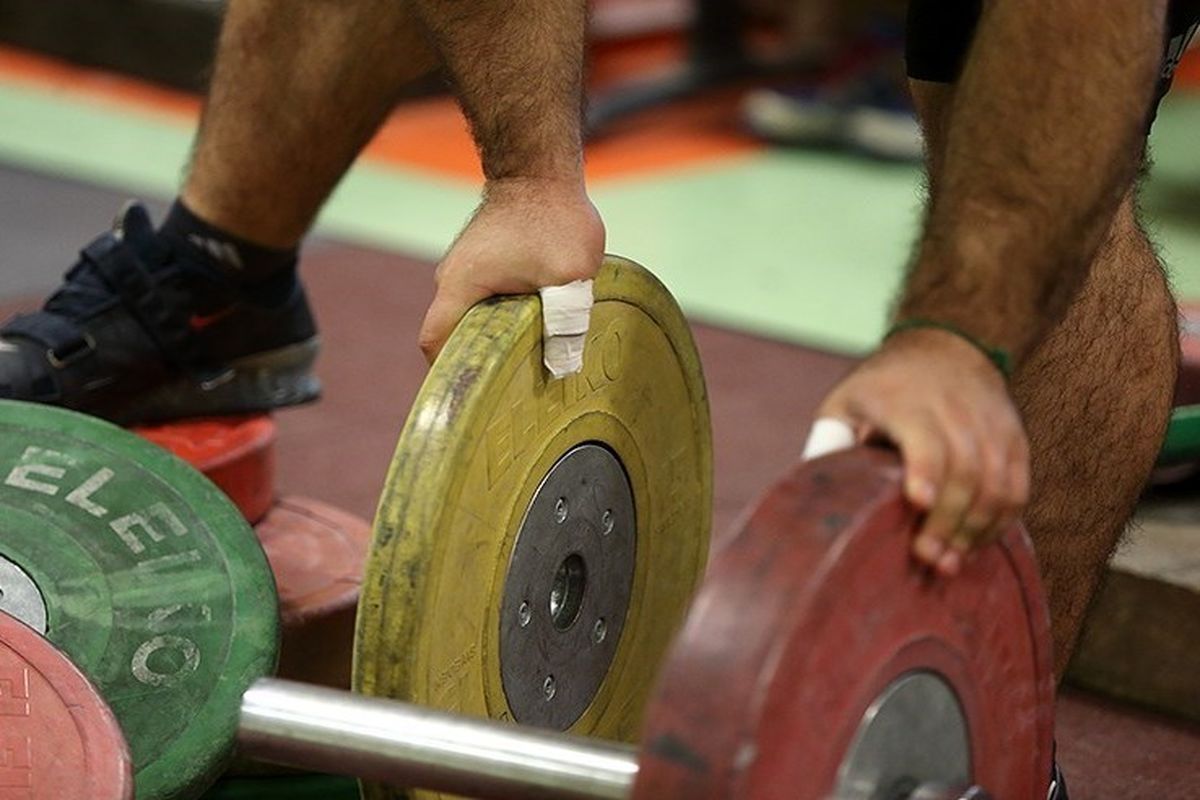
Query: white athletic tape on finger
828	435
566	311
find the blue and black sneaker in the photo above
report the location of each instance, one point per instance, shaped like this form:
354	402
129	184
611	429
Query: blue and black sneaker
139	332
861	104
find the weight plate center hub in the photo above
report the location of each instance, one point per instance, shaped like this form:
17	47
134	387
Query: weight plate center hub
914	734
20	596
568	588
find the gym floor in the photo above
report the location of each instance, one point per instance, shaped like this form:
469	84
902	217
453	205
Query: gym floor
781	283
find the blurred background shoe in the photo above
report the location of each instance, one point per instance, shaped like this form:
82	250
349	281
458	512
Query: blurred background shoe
861	103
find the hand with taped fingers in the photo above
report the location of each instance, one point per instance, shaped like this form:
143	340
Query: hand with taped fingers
945	406
526	235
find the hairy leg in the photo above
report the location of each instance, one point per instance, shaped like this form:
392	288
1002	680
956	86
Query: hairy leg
298	89
1095	396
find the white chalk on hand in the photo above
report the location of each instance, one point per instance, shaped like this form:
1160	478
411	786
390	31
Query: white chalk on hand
566	311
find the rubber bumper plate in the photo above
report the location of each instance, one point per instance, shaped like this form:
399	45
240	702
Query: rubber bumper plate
317	553
866	678
538	540
235	453
58	739
146	575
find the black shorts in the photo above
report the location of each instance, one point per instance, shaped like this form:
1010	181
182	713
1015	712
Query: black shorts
940	33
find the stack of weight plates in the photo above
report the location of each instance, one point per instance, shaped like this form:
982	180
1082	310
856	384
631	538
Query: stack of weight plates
136	604
316	551
149	579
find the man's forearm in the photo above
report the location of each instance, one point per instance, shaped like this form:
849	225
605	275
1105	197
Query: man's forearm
518	71
1043	141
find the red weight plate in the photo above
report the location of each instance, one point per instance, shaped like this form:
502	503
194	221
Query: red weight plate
317	553
236	453
1187	387
58	739
810	612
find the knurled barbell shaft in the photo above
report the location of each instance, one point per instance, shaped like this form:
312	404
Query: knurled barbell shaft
404	745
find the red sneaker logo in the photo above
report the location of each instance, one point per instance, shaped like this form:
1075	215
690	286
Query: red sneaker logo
199	322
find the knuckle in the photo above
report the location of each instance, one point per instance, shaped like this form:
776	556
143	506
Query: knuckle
562	273
967	469
994	493
971	454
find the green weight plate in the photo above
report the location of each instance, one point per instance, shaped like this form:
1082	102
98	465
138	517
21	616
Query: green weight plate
297	787
146	575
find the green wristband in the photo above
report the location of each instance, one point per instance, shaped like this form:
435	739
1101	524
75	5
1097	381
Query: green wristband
1001	358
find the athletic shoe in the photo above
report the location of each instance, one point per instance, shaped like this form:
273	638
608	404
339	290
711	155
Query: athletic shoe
139	333
861	103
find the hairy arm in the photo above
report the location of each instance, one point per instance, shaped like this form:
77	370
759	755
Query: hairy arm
517	66
1042	141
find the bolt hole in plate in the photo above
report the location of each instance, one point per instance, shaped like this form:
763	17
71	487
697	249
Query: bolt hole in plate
836	633
566	595
455	610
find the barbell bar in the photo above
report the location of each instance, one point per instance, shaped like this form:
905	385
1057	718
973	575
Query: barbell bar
402	744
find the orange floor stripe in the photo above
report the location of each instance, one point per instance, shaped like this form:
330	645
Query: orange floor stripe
47	73
431	134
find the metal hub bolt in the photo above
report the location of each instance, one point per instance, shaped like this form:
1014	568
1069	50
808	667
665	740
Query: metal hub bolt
599	631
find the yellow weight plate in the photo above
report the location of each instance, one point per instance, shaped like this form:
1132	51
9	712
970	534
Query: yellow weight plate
502	472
